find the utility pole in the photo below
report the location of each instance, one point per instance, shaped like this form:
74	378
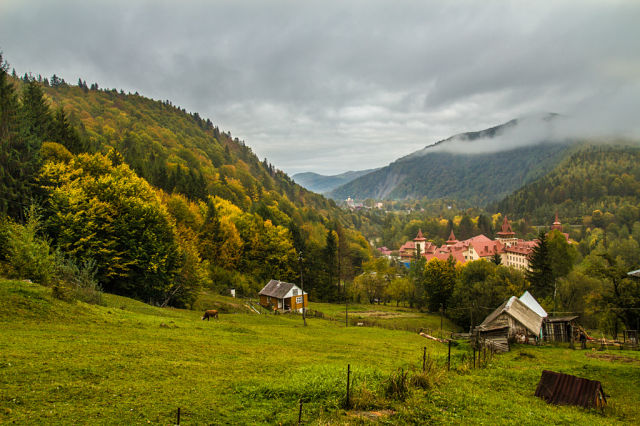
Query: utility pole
304	319
555	290
346	306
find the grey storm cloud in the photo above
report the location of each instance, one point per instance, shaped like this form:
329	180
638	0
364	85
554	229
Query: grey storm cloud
330	86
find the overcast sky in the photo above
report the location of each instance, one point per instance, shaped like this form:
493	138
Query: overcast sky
331	86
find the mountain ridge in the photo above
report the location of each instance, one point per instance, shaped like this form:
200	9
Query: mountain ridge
459	168
325	183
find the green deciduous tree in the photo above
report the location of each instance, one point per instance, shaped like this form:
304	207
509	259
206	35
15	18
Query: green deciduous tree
107	213
480	285
439	282
561	254
400	289
620	295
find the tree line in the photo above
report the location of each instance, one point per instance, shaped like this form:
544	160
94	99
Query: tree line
153	202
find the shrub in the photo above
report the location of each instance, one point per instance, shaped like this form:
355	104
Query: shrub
429	378
26	255
364	399
395	386
76	282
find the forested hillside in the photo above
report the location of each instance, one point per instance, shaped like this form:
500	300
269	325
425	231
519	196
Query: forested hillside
152	201
596	181
476	167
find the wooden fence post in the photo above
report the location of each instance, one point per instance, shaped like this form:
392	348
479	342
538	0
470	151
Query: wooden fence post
178	420
348	380
424	359
449	357
474	356
300	414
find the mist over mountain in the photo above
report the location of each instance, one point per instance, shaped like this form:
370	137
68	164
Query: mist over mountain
322	183
480	166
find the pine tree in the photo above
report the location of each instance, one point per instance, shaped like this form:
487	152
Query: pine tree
331	264
65	134
210	234
36	118
22	130
10	184
540	273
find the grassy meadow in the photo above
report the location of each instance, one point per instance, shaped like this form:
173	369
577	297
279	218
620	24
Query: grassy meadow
387	316
130	363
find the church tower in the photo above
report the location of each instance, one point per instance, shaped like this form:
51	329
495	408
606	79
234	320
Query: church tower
556	225
452	239
506	236
420	242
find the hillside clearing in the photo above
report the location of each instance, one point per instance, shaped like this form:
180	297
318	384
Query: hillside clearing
128	362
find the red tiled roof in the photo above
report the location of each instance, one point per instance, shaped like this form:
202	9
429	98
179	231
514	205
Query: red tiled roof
522	247
419	237
484	246
444	255
384	250
409	245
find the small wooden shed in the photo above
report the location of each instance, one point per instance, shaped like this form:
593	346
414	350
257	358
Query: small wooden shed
512	319
283	296
560	329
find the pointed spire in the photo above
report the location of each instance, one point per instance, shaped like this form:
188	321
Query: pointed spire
452	239
506	231
419	237
557	225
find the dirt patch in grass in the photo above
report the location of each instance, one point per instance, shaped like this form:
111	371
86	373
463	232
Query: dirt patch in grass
372	415
384	315
612	357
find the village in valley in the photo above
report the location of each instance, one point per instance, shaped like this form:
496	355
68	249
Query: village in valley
506	249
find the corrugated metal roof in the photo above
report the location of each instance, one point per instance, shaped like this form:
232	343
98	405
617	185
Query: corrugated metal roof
635	273
518	311
560	388
562	319
533	304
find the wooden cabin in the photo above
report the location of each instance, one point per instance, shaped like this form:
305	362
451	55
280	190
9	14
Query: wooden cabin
512	320
283	296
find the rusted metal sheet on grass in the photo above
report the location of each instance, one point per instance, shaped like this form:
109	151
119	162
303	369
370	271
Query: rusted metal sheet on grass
565	389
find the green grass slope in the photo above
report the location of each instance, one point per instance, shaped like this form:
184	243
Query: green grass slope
129	363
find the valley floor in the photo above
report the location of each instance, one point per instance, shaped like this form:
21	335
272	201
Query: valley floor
130	363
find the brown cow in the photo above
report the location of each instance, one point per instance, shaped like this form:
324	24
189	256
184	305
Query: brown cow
210	313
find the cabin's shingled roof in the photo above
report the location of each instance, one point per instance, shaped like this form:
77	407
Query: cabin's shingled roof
277	289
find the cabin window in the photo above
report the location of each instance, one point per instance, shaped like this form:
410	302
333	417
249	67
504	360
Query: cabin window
299	300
